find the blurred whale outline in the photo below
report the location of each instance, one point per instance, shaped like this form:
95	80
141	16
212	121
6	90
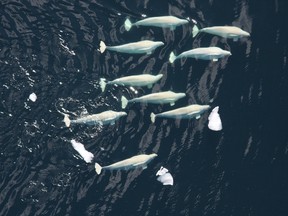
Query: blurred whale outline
106	117
155	98
187	112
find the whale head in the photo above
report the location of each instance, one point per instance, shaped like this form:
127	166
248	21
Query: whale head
158	43
226	53
180	95
153	155
158	77
245	34
120	114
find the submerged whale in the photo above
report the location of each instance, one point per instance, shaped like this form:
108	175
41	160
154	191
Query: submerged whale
106	117
134	80
223	31
187	112
161	21
140	47
130	163
155	98
204	53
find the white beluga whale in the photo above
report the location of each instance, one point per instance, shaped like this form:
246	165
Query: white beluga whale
164	176
232	32
79	147
140	47
103	118
161	21
133	80
215	122
155	98
130	163
187	112
204	53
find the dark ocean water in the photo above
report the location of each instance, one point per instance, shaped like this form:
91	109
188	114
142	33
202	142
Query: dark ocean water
50	48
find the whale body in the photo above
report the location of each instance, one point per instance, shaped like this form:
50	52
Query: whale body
106	117
130	163
204	53
155	98
187	112
232	32
140	47
134	80
161	21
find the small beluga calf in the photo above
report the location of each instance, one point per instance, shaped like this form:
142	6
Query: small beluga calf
203	53
161	21
130	163
140	47
232	32
133	80
187	112
155	98
103	118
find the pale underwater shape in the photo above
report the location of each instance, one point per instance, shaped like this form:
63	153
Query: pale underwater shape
33	97
164	176
215	123
79	147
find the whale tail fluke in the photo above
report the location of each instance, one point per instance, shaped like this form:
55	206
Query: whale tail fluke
102	47
152	116
127	24
103	84
98	168
172	57
67	120
124	102
195	31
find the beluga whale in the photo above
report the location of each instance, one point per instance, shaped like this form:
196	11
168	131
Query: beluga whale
232	32
133	80
155	98
187	112
160	21
136	161
203	53
140	47
103	118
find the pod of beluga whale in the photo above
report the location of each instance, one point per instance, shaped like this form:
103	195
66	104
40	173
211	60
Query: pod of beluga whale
155	98
232	32
140	47
130	163
187	112
103	118
203	53
133	80
160	21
